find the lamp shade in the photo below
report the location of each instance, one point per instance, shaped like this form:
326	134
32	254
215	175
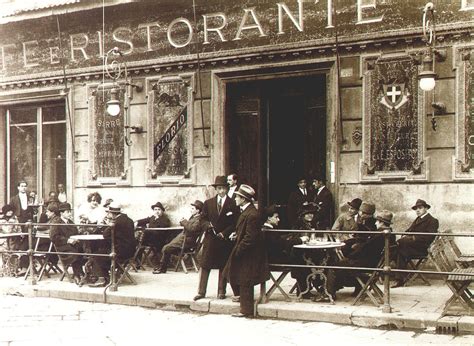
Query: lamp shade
113	107
427	80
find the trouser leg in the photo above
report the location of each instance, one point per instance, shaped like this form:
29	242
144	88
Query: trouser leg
203	279
246	300
222	283
235	289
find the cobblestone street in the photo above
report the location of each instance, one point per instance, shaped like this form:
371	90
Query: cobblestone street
46	321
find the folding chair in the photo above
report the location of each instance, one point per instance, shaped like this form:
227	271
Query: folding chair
144	252
463	260
370	288
419	263
65	270
189	253
122	271
277	283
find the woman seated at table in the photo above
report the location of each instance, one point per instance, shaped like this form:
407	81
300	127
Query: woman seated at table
19	243
60	232
91	212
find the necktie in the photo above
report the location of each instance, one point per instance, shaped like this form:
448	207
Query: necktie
219	205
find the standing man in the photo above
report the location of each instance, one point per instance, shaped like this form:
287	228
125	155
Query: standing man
410	246
190	234
232	181
247	265
220	213
19	202
323	201
62	194
125	243
298	198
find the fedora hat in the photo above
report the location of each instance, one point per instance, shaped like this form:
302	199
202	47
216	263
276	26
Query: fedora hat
159	205
107	202
64	206
421	203
221	180
306	209
114	208
355	203
368	208
198	204
385	216
246	191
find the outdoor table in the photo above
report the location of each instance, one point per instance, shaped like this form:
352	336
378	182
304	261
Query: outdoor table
315	272
87	237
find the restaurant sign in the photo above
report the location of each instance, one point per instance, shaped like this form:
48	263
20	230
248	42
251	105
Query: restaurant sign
156	30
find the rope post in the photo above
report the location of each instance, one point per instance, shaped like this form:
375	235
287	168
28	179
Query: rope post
32	272
113	255
386	272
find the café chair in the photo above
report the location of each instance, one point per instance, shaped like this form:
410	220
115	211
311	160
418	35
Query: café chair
369	286
189	253
122	271
420	263
65	271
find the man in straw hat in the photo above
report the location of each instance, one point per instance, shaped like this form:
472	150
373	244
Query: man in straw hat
409	246
193	228
367	254
247	265
124	241
220	214
365	222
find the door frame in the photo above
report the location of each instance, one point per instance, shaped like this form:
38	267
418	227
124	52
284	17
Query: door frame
219	81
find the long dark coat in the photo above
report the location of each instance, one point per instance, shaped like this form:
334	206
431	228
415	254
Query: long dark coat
59	235
215	251
125	242
325	214
417	245
247	264
295	202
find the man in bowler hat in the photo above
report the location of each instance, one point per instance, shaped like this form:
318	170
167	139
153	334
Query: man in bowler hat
247	265
346	222
220	213
409	246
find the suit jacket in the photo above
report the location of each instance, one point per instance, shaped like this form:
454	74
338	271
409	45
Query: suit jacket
125	242
22	215
295	202
248	264
193	228
59	236
418	244
324	215
215	251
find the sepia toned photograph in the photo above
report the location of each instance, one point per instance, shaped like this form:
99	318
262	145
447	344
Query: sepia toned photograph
240	172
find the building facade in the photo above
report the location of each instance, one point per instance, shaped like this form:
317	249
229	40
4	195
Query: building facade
271	90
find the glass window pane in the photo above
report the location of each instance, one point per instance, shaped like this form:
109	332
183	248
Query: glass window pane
23	158
23	115
54	113
54	157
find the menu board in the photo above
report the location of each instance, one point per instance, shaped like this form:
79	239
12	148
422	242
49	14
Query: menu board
108	141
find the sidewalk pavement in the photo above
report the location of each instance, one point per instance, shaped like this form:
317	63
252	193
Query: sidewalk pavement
413	308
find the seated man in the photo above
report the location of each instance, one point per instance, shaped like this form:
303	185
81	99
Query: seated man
366	254
156	239
125	243
193	228
365	222
60	233
346	222
409	246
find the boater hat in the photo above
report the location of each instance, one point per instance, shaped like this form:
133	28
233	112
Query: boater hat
198	204
422	203
220	180
246	191
114	208
355	203
384	216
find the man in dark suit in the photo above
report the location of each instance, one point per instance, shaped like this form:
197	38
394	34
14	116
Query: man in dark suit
124	241
299	197
19	202
247	265
409	246
322	199
220	213
233	185
365	222
60	233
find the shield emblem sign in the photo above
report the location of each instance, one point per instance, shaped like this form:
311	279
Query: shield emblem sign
393	94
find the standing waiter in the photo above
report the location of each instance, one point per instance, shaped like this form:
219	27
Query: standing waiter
221	213
247	265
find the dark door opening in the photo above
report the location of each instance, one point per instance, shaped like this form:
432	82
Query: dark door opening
276	132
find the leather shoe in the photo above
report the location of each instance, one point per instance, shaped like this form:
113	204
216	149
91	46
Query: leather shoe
239	314
398	283
100	283
236	299
221	296
199	296
159	271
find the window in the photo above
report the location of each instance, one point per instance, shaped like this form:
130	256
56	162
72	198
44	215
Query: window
36	147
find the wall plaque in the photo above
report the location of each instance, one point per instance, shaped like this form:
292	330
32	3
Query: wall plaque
108	155
393	121
463	161
170	130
